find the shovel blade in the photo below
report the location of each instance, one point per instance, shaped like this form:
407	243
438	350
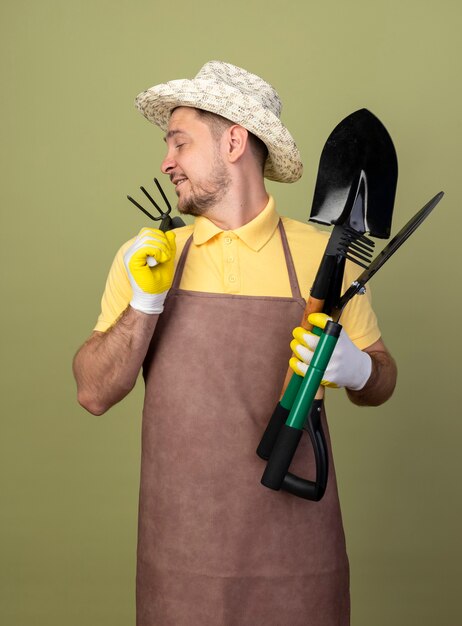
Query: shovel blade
358	154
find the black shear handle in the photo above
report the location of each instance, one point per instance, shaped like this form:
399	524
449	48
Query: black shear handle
277	476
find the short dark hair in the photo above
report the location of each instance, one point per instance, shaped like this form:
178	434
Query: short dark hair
218	124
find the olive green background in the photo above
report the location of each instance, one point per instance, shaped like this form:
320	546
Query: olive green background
73	146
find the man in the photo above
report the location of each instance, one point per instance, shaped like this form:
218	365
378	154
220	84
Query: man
207	311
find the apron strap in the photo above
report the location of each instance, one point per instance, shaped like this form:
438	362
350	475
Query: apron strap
181	263
294	286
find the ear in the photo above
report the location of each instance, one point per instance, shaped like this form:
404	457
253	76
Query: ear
236	142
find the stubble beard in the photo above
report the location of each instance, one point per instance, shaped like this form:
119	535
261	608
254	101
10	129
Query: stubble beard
203	197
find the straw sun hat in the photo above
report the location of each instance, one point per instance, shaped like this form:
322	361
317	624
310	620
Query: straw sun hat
238	95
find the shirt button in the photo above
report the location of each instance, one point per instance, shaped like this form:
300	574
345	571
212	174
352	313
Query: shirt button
232	278
230	259
228	240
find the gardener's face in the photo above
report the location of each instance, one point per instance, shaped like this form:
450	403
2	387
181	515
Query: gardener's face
194	163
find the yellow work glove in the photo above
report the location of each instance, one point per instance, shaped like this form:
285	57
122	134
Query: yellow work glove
150	265
348	367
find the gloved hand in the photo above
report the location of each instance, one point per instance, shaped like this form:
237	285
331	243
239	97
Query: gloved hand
150	266
348	367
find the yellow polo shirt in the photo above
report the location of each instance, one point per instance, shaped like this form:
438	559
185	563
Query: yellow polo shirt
247	261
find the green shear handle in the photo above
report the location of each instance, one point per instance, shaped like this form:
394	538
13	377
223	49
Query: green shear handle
304	412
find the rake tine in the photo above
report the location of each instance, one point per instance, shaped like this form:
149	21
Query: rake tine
360	250
152	200
163	195
133	201
355	260
354	234
352	247
357	255
361	245
366	241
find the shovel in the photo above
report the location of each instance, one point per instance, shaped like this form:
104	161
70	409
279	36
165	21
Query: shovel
355	191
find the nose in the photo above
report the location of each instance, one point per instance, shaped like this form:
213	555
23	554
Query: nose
168	164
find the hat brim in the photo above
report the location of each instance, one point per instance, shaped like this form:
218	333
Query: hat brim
157	103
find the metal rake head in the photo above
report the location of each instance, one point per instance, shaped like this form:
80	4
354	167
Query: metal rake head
356	247
166	222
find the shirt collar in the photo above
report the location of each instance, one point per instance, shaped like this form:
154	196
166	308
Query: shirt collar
254	234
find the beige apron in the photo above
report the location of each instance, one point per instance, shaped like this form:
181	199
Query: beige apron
215	547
